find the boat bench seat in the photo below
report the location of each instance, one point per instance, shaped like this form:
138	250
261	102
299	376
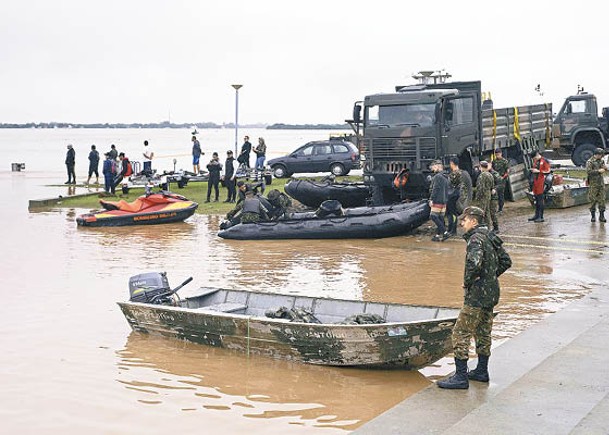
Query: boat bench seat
226	307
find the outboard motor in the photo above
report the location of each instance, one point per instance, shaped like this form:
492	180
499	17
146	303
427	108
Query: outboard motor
153	288
330	207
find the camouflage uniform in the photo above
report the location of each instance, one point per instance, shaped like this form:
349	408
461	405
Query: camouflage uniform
465	190
249	211
501	165
494	205
485	260
280	203
484	186
596	184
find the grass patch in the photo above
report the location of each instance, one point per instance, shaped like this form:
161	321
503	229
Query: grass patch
196	191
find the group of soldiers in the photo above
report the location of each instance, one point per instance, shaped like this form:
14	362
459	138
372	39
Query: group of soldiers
449	197
253	207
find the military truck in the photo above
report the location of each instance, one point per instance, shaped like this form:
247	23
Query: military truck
407	129
578	130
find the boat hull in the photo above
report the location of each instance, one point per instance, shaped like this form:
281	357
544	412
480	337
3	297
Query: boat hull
114	218
357	223
312	194
567	195
396	345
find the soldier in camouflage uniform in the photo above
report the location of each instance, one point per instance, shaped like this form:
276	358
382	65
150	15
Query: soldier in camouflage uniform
494	208
502	167
485	261
280	203
484	189
596	168
250	210
459	193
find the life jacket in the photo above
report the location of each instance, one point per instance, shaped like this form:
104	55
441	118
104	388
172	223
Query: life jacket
251	205
129	170
401	179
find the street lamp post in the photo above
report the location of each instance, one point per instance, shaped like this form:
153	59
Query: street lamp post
237	87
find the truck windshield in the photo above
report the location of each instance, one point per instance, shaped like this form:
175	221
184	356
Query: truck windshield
420	115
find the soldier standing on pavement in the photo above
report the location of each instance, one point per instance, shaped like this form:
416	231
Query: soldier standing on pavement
484	189
596	169
540	168
485	261
502	167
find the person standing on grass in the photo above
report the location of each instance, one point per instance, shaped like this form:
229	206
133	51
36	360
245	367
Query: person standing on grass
214	167
229	177
93	164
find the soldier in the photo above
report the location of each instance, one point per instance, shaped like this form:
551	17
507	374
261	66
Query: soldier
494	208
596	168
437	201
250	210
485	260
484	190
461	183
279	202
502	167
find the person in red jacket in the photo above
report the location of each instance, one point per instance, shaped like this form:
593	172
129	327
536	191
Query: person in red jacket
539	169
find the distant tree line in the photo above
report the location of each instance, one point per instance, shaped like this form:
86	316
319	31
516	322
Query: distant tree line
167	124
307	126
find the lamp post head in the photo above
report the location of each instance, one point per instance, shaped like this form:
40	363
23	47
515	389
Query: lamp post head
237	87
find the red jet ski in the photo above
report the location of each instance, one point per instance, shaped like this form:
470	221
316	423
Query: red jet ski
156	208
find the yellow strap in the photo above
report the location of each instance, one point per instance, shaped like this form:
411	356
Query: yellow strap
494	129
548	122
516	125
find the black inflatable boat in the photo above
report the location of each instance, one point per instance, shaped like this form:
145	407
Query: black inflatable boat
355	223
312	193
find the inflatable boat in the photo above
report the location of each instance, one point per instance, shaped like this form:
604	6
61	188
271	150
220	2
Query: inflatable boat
157	208
354	223
312	193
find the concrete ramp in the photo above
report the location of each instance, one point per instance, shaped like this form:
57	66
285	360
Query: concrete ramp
551	379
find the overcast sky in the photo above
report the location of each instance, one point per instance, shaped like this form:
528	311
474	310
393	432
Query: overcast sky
299	62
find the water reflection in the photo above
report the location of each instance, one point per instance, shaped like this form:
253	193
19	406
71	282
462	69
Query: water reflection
173	373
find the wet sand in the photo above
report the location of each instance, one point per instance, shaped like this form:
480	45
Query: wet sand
70	363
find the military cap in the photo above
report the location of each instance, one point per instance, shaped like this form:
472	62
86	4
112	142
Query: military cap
599	151
472	211
484	164
435	162
274	194
240	183
498	151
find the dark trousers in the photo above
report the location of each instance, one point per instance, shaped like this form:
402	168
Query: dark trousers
71	173
500	197
452	213
231	186
539	206
109	183
215	184
147	167
438	219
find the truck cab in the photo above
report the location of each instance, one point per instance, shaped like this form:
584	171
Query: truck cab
577	128
410	128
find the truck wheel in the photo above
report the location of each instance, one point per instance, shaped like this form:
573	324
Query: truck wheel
337	169
582	153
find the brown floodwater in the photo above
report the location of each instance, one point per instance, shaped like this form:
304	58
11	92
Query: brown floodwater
71	364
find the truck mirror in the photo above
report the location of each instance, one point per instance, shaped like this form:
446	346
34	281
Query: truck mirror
357	109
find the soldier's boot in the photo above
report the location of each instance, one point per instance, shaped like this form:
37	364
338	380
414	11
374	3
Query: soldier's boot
601	216
593	215
480	373
459	380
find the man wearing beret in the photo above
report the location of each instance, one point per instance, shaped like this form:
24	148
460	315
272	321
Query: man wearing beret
596	169
485	261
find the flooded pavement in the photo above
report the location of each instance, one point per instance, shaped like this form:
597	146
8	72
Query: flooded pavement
71	364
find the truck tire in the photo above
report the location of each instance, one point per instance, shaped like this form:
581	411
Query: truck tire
582	153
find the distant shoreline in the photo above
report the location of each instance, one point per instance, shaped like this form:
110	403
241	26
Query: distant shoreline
166	124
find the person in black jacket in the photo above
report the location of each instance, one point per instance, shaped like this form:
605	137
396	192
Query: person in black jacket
70	165
93	165
437	201
214	167
229	177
